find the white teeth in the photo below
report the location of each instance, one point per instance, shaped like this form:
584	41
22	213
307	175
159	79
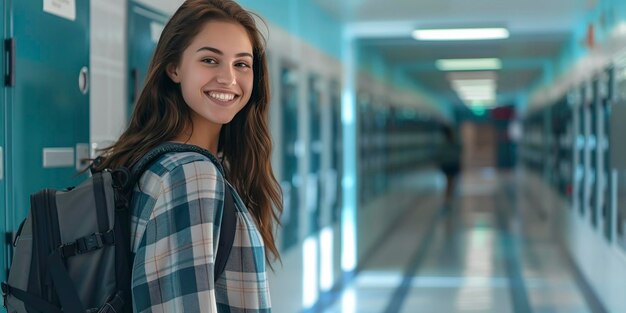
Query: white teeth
222	96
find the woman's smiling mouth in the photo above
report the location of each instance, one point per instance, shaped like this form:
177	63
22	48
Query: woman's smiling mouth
221	96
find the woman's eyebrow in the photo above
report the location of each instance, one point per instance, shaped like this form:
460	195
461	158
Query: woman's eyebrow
218	51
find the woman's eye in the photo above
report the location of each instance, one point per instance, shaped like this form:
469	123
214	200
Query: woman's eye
209	61
242	64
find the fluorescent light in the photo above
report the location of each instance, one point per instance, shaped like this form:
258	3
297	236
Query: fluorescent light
481	93
474	88
469	64
477	94
474	91
478	98
461	34
469	75
473	83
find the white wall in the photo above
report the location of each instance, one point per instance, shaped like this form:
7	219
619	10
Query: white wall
166	6
108	67
602	263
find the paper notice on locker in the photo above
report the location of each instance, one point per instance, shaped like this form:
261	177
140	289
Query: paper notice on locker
63	8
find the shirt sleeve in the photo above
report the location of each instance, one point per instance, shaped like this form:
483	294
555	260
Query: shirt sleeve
173	267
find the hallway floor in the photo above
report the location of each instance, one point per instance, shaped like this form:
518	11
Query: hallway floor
490	250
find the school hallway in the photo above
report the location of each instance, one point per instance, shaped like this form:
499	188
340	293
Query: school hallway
493	249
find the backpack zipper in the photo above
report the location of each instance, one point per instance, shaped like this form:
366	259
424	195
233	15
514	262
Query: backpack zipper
54	235
41	235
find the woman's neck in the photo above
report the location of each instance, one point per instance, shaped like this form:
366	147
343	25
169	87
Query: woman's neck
204	135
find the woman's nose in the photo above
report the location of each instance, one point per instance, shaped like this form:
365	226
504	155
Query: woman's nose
226	76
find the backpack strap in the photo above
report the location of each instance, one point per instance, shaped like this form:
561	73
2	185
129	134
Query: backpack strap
227	233
30	301
63	285
229	221
154	154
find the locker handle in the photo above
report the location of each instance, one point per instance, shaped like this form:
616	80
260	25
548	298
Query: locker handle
9	50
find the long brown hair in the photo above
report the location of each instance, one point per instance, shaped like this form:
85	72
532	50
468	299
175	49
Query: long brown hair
161	114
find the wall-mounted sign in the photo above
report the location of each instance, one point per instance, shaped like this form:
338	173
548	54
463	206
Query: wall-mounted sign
63	8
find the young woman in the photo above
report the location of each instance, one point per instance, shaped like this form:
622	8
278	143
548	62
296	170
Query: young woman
207	86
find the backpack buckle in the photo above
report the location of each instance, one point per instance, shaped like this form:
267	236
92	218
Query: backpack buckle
86	244
5	289
89	243
114	304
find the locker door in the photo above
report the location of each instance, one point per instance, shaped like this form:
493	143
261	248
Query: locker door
337	146
290	182
593	155
618	165
380	182
144	29
601	147
574	143
580	166
48	131
315	166
3	174
364	127
605	129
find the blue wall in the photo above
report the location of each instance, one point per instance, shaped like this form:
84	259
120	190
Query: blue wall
306	20
370	60
303	19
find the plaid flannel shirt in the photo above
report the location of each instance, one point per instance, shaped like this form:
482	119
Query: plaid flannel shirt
175	225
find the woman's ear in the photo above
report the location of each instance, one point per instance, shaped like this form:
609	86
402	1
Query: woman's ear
172	72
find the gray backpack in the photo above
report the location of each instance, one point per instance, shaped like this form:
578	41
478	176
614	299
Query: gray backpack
72	252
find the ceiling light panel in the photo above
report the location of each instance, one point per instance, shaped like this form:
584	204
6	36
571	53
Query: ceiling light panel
468	64
470	75
461	34
473	83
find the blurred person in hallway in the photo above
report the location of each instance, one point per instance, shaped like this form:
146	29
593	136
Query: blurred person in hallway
449	159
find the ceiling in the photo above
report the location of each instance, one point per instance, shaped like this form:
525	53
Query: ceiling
539	29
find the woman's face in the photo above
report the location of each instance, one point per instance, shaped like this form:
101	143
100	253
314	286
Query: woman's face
215	72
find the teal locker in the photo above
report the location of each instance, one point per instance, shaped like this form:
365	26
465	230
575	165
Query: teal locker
593	147
47	124
315	158
337	144
290	181
580	167
144	28
365	137
605	129
4	252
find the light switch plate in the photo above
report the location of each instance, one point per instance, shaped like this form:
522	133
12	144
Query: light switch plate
58	157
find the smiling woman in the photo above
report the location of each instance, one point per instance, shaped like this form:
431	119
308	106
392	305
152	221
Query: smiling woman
215	75
206	91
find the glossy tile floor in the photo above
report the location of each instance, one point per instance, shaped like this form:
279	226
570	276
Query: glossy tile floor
490	250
